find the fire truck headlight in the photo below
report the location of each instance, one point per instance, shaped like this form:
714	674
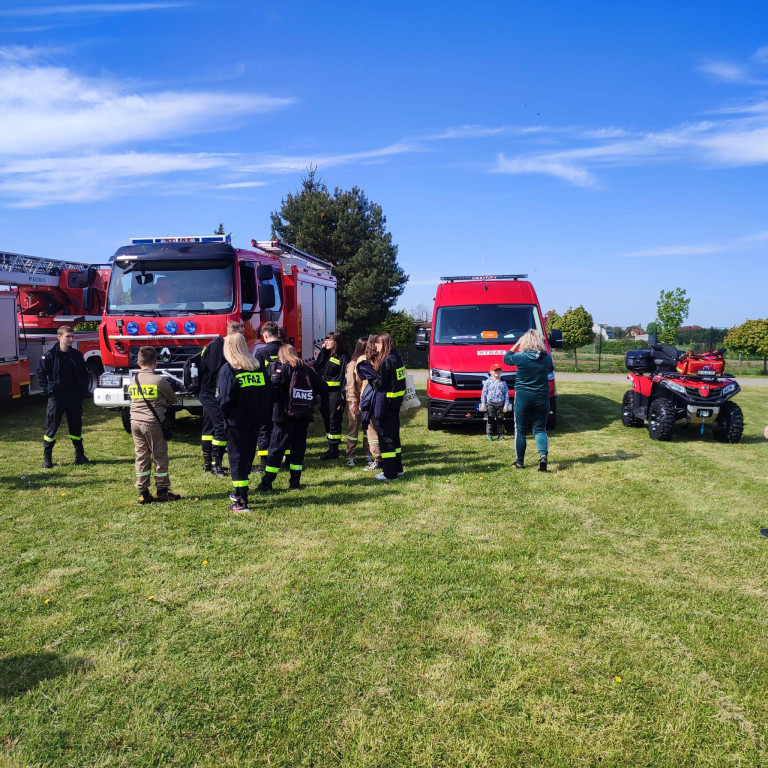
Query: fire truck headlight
440	377
132	328
151	327
171	327
190	327
110	380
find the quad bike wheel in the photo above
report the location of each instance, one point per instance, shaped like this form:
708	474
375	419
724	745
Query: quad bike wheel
628	418
661	419
729	425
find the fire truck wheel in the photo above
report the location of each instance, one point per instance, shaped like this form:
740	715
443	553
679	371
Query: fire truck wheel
433	424
661	419
730	424
95	369
628	418
125	417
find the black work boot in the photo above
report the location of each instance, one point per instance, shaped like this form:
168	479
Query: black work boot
145	497
294	483
331	453
207	456
216	467
266	482
48	454
80	457
166	494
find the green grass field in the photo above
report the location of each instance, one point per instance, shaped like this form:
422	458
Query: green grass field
611	612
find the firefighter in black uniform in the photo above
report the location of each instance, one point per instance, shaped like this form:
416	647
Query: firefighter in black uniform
295	385
62	375
331	364
214	438
266	355
389	384
245	394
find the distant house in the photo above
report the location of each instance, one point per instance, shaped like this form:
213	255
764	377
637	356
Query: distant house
601	329
636	334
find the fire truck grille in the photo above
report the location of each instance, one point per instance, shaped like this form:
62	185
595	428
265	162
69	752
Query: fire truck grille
475	380
167	356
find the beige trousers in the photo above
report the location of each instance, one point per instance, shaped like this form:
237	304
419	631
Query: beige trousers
149	443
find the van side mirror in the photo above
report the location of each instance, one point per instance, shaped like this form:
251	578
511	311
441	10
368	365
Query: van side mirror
556	338
422	339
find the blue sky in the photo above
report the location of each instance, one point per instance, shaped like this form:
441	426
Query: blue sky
609	150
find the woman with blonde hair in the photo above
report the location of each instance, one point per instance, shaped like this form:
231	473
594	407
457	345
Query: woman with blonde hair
295	386
245	395
534	365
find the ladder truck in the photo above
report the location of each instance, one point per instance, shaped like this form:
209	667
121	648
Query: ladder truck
37	297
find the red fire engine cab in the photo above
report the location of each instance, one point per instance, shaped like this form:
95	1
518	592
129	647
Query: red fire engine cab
38	296
475	321
178	293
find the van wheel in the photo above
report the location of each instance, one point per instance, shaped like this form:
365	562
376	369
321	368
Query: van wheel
125	417
552	416
730	424
433	424
661	419
628	418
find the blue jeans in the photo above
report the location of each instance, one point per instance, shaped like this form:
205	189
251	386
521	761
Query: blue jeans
531	411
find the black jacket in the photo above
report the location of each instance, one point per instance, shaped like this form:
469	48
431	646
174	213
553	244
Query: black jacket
211	360
332	370
49	373
245	397
280	375
268	353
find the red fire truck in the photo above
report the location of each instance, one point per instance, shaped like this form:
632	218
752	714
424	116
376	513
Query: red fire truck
39	295
475	321
178	293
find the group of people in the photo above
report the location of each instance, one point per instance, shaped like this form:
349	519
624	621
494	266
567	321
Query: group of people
261	405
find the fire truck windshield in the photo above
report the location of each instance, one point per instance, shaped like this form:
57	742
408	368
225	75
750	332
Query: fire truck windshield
485	323
171	287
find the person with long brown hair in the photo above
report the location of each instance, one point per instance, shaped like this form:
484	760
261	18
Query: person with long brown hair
245	395
368	402
354	417
389	385
331	364
295	385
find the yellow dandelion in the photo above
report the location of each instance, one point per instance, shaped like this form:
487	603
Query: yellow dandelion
47	600
617	679
196	499
63	494
151	597
205	562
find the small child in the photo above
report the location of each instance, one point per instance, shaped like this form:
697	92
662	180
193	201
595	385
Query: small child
495	400
150	389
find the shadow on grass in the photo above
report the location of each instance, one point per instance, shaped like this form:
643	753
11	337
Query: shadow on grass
596	458
19	674
585	413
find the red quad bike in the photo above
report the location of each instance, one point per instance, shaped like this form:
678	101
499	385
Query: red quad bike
669	387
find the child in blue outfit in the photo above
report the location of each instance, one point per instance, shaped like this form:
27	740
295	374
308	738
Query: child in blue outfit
495	401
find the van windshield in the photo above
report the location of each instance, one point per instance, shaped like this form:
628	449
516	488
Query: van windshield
485	323
172	287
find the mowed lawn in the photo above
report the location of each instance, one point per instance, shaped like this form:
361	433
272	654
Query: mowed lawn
613	611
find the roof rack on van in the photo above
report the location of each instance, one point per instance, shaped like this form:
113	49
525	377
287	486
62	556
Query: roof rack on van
483	277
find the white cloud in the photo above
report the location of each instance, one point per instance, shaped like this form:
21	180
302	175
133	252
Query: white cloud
483	132
50	109
293	164
748	242
31	183
725	71
761	55
243	185
57	10
548	166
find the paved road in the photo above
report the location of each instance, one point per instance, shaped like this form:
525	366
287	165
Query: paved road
610	378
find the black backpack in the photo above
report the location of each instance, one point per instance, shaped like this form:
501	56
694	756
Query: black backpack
301	394
192	377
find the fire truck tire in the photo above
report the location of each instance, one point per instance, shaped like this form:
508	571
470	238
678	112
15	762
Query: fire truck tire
730	424
95	369
433	424
661	419
628	418
125	417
